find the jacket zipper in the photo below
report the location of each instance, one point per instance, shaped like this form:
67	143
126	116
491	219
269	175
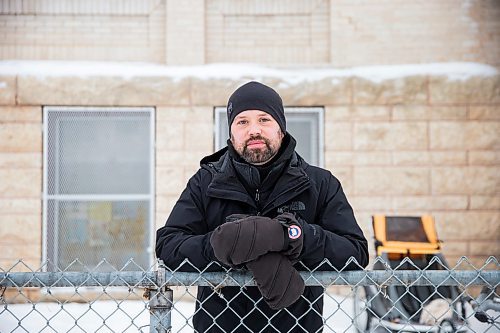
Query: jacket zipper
257	198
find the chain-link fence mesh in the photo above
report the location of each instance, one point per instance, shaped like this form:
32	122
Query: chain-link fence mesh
402	298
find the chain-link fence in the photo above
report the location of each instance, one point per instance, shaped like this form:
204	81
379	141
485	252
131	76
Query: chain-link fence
401	298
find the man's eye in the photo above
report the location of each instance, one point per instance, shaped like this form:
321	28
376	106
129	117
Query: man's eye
265	119
242	122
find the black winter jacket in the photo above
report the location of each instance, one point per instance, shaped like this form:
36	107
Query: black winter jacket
328	224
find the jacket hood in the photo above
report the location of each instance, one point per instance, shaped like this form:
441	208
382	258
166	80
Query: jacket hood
213	158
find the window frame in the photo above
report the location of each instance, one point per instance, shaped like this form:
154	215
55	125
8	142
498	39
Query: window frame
46	110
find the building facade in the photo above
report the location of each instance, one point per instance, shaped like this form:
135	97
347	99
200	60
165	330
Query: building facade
403	140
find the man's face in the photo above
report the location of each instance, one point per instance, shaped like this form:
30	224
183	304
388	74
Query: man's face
256	136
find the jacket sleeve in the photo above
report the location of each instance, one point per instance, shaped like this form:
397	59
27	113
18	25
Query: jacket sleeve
335	235
185	234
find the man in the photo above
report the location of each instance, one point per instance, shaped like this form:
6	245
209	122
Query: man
257	205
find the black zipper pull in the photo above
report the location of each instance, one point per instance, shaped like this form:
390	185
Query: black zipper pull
257	195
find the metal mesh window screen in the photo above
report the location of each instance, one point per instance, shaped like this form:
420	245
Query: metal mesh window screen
304	124
98	185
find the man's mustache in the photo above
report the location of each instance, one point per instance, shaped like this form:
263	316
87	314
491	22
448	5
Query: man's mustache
259	137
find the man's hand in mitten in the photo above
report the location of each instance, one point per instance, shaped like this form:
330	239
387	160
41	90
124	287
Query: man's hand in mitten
246	239
294	239
278	281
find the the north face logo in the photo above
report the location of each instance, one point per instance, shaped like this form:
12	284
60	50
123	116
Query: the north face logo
294	206
230	109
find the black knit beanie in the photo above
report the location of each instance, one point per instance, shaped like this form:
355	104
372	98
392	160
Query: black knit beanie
256	96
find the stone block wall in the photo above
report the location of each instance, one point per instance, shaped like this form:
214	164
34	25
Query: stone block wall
273	32
397	31
341	33
406	146
83	30
20	180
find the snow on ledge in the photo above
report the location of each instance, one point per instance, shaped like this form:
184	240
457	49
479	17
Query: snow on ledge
291	75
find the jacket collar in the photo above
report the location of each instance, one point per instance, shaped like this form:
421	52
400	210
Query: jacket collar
226	185
263	177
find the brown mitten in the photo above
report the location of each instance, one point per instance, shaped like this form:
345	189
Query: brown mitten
279	282
246	239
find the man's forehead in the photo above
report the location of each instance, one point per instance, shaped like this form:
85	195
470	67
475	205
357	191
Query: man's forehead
249	113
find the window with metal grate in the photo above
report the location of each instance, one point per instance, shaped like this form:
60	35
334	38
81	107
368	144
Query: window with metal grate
98	199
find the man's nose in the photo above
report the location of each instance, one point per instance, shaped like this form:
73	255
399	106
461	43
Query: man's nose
254	129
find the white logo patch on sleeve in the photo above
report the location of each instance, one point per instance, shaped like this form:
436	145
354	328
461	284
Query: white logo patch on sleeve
294	232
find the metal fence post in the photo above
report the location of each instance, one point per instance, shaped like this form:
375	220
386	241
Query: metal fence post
160	305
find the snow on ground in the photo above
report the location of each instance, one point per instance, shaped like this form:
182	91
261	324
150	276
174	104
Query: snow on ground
130	316
291	75
133	316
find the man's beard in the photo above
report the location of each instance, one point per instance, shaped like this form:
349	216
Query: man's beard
258	156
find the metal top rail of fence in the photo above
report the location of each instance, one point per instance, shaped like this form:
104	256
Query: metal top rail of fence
366	291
